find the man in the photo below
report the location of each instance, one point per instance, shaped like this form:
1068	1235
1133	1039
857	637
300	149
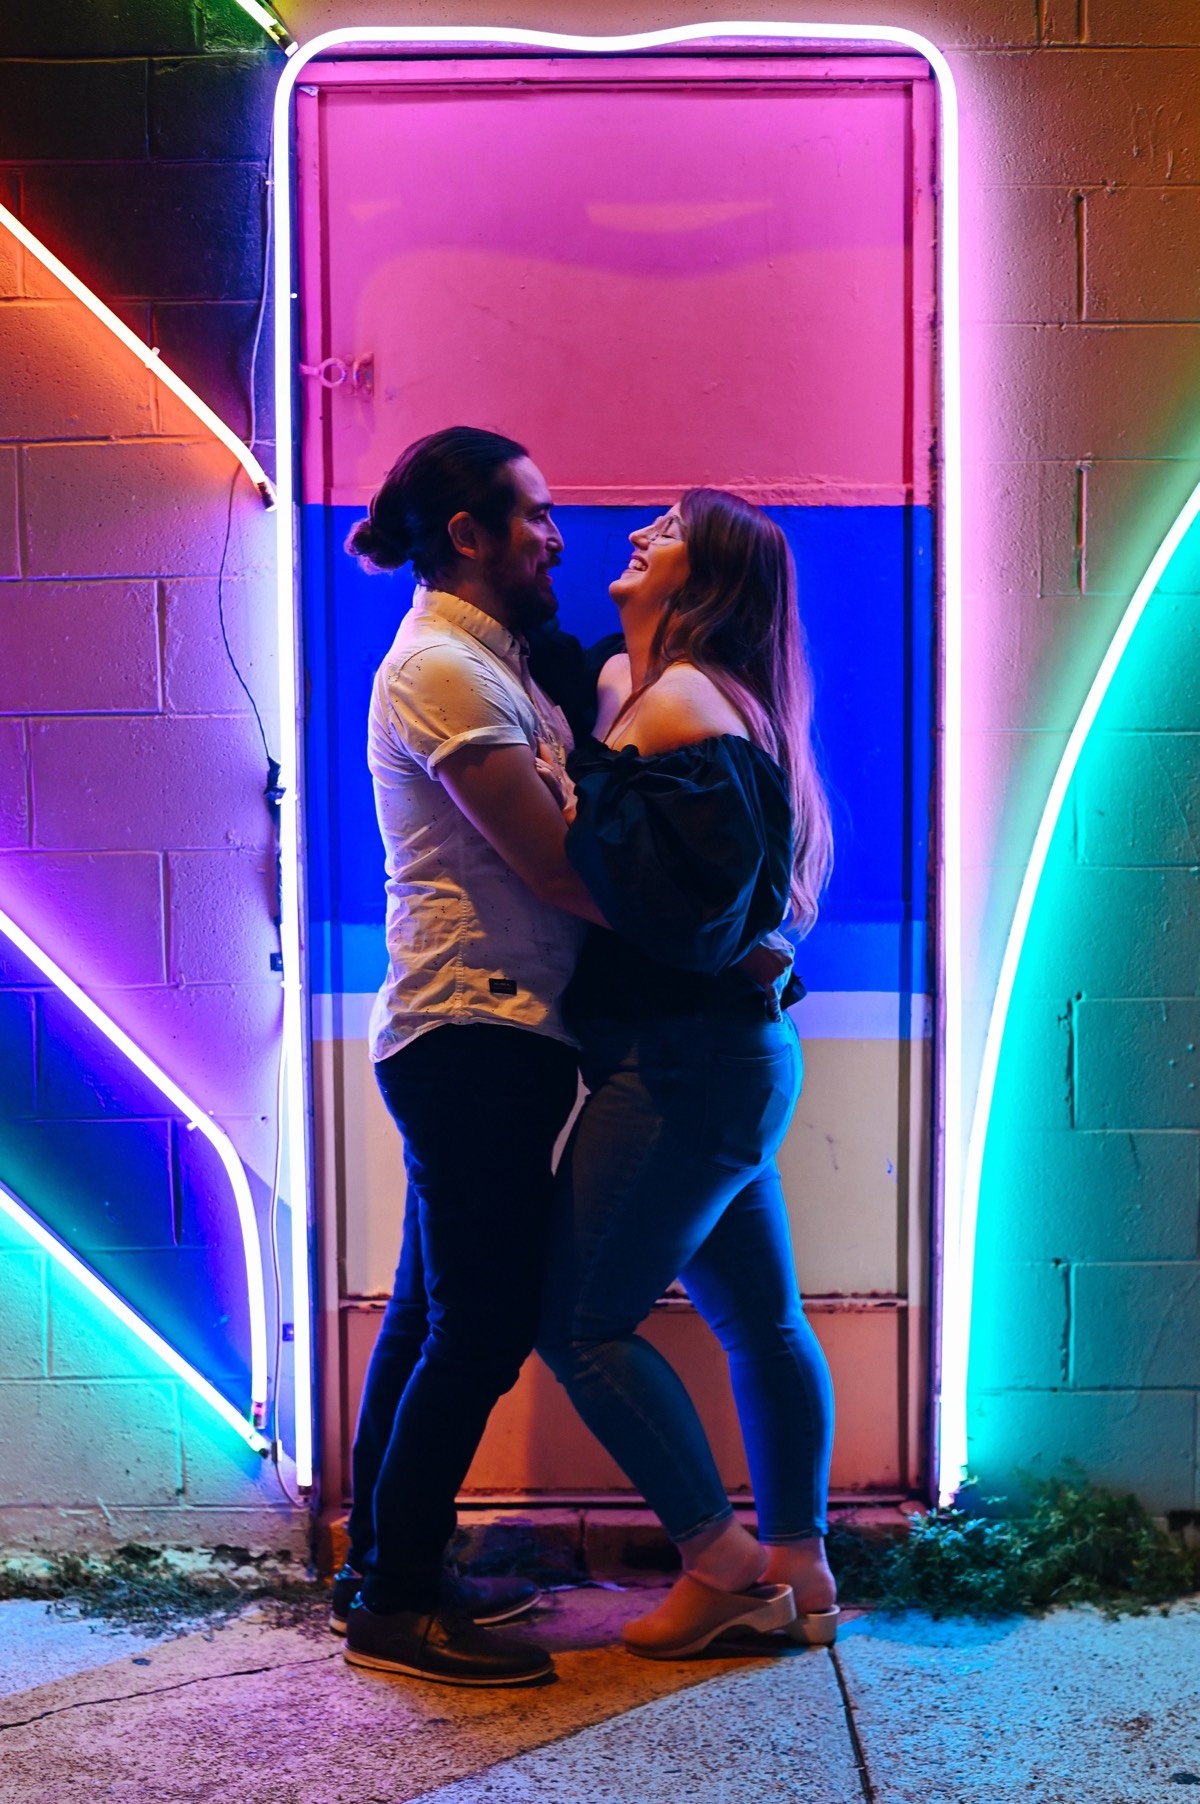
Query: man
477	1069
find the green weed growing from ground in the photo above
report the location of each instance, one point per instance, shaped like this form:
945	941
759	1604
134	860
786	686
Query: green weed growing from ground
1069	1542
160	1593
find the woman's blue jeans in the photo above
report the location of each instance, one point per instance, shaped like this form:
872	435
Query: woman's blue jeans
670	1172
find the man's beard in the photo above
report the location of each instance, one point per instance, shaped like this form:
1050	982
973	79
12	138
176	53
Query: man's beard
527	604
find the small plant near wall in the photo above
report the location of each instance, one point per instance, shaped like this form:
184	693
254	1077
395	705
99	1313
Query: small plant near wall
1067	1542
161	1593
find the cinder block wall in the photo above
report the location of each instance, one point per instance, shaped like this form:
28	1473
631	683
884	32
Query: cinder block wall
135	841
1082	371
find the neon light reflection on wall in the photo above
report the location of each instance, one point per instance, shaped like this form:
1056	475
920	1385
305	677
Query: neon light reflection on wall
954	1443
952	1351
40	1234
17	936
202	1123
151	359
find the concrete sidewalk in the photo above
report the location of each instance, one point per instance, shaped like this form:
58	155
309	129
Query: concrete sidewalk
1059	1710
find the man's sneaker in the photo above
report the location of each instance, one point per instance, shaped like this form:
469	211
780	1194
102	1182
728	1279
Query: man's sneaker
444	1647
486	1601
345	1590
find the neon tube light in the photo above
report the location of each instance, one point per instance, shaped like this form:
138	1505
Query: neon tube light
272	24
954	1397
116	1305
480	37
204	1124
151	359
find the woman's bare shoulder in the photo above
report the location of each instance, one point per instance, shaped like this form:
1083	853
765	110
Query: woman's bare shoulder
683	707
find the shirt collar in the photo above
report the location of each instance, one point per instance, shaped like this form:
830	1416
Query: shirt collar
472	620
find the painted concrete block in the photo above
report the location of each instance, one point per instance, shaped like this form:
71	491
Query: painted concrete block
14	784
1029	512
1153	953
1135	1327
270	1528
102	1185
1119	117
1139	1441
10	263
1140	262
221	1043
80	1075
1019	256
1079	1194
1136	1064
1061	22
1137	800
85	1341
23	1315
151	783
219	1470
79	648
110	1441
210	344
1159	22
1128	510
1034	1085
63	109
222	905
10	537
56	383
1160	685
216	107
222	30
149	509
199	677
100	914
16	1055
1091	392
1019	1326
97	28
124	226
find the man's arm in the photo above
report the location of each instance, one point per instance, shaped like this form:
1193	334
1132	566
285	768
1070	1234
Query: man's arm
498	789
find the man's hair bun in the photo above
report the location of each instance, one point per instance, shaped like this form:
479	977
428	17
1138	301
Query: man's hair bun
369	541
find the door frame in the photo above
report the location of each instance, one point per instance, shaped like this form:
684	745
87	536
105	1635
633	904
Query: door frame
952	1202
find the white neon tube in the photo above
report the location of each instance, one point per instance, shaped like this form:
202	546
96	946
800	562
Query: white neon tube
204	1124
151	359
38	1232
480	37
272	24
954	1440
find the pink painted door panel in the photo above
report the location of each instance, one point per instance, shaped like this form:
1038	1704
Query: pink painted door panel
651	285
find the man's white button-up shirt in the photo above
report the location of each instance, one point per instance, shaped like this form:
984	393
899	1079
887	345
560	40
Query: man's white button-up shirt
466	940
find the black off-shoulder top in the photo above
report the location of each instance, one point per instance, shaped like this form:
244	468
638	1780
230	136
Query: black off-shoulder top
688	855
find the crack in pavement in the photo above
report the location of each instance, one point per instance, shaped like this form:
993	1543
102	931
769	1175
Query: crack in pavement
860	1753
128	1697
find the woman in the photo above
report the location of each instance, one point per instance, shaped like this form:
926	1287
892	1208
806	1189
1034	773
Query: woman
700	824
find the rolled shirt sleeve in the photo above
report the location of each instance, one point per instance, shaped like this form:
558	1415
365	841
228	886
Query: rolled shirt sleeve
442	698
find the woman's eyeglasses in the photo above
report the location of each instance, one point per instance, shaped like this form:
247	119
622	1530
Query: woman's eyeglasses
667	526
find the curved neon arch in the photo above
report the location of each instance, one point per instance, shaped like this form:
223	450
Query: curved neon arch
953	1443
479	37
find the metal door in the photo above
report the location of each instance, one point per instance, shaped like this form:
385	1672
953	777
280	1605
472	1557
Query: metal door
655	271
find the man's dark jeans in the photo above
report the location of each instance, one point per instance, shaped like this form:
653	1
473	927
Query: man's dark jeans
480	1108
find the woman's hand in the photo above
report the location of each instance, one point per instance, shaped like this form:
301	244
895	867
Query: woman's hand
556	780
769	965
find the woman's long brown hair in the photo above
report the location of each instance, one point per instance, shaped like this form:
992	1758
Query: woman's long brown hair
736	618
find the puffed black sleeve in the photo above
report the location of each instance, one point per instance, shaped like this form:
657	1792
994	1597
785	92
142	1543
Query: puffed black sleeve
688	853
